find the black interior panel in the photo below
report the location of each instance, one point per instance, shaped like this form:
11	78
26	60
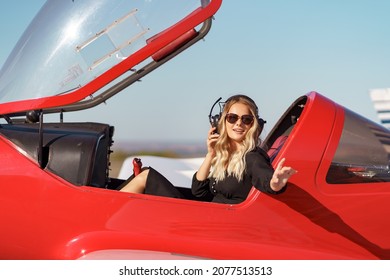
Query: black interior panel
77	152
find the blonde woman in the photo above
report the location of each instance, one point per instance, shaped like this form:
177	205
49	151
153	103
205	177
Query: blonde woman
233	164
234	161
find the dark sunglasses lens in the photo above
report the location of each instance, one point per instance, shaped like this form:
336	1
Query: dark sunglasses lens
247	119
231	118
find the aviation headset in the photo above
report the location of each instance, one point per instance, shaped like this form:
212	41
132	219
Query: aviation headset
215	119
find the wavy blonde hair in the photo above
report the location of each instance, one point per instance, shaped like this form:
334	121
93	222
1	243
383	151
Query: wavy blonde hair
226	162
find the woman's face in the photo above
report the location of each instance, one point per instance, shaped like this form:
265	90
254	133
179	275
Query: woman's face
237	131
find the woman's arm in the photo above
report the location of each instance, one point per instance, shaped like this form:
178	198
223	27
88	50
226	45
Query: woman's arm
204	169
264	177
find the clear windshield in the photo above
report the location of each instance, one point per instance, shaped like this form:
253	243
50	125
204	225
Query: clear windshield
363	153
71	42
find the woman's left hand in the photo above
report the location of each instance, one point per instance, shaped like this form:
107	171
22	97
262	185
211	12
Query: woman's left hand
281	175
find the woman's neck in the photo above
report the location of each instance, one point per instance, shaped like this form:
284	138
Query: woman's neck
235	146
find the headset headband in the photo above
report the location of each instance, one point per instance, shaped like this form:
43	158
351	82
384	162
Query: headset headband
247	98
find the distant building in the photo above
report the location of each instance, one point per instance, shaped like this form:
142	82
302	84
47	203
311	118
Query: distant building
381	100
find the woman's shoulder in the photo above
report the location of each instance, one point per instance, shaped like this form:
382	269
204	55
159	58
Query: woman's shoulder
258	158
258	152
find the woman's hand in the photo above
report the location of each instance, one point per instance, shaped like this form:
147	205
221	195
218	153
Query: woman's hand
281	175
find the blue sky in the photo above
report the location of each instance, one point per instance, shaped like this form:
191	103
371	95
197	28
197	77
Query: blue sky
273	51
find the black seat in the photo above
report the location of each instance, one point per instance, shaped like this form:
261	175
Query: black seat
77	152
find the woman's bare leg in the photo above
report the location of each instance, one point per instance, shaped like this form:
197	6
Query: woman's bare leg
137	185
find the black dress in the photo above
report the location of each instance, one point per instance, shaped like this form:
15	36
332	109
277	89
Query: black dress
157	184
258	173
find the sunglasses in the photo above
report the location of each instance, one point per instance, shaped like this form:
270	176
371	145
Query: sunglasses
233	118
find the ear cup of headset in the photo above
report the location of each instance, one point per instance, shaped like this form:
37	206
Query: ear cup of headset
214	122
261	124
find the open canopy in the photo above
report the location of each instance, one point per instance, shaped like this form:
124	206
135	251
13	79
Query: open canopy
78	49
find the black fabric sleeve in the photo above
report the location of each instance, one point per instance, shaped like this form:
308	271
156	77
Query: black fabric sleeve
261	171
200	188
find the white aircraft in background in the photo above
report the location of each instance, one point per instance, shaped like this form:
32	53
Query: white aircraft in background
381	100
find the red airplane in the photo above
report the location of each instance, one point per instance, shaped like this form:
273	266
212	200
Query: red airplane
58	201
